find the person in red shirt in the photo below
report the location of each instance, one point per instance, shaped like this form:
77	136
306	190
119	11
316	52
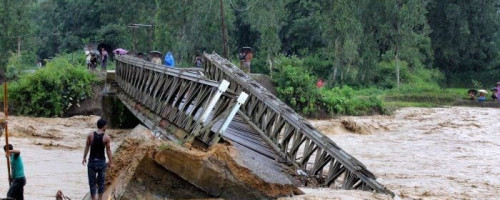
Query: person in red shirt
246	55
320	83
248	59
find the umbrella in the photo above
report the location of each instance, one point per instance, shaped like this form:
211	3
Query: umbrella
473	91
483	91
247	49
494	89
155	53
120	51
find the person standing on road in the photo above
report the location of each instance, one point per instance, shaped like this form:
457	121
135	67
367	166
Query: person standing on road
104	59
18	181
96	142
198	60
248	59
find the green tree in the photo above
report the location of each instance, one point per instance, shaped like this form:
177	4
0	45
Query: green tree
302	34
185	27
15	23
465	34
343	32
400	30
267	18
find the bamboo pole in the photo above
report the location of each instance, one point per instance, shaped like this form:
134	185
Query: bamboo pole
6	112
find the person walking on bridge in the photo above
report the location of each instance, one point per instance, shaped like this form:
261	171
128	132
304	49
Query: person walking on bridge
16	190
97	141
104	59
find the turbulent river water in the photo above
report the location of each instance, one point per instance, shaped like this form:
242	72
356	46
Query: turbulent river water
418	153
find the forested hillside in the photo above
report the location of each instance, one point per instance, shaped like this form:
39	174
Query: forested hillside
359	43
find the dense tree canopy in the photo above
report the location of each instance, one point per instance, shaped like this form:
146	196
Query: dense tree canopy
360	42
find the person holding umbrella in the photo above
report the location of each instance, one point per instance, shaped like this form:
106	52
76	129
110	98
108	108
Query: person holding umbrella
246	55
494	93
482	95
155	57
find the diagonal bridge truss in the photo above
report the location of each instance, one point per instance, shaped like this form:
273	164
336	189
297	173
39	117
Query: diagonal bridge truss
292	136
159	96
200	100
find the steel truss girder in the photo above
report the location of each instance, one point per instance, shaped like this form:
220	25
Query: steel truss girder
177	96
291	134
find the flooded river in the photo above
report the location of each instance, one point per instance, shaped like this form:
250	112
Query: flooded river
418	153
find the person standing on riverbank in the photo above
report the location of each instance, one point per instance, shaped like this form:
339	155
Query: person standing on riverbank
18	181
97	141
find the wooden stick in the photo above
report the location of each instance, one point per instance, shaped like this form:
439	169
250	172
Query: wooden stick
6	112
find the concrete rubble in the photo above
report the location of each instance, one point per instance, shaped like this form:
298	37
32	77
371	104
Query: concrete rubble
148	168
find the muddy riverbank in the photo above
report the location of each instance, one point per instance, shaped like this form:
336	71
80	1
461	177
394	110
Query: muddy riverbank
418	153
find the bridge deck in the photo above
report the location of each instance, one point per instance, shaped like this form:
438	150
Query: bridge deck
240	132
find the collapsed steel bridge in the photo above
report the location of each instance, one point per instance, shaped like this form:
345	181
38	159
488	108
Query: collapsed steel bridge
221	101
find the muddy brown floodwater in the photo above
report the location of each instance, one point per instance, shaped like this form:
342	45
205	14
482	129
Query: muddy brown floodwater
418	153
427	153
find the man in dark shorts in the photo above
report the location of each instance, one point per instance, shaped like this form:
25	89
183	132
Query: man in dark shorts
96	142
18	181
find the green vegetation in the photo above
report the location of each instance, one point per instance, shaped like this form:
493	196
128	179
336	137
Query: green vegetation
52	90
406	50
297	87
18	65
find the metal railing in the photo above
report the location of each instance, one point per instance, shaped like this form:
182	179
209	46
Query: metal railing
292	135
181	97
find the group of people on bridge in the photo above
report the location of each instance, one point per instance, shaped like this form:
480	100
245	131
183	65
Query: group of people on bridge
95	56
92	56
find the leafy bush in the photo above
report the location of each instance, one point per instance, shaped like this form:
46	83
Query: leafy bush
52	90
259	65
320	65
16	65
297	88
423	86
344	101
386	74
295	85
